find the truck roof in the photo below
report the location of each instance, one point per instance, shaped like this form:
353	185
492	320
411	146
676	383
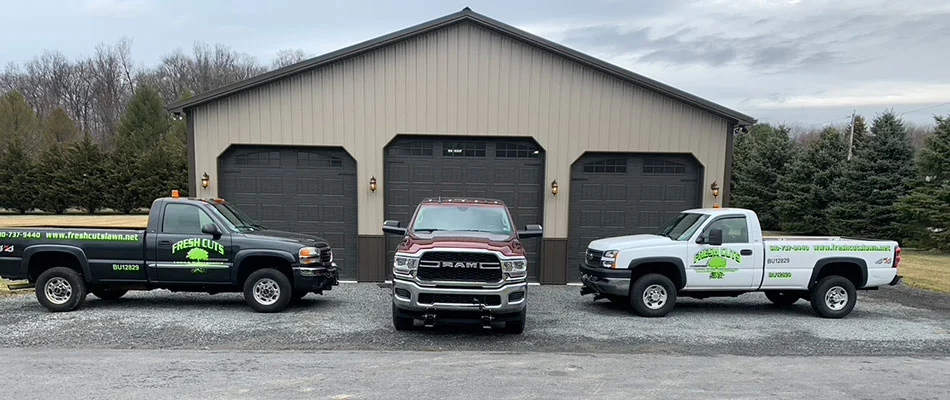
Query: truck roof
718	211
466	200
208	200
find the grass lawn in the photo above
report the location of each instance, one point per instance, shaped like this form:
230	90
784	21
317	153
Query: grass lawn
86	221
926	270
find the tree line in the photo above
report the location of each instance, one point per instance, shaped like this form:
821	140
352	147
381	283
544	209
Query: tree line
48	164
889	188
93	133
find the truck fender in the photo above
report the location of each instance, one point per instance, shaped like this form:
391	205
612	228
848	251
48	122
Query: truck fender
243	254
681	268
824	262
33	250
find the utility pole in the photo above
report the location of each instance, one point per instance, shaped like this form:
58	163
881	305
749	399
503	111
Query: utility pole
851	136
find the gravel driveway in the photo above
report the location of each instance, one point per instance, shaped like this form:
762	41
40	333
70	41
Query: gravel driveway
893	321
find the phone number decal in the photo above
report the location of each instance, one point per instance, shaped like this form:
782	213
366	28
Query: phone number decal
19	235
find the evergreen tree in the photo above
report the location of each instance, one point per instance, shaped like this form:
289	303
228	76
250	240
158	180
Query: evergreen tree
762	156
861	134
58	129
805	193
168	167
88	175
18	174
18	122
123	172
928	206
881	172
141	132
55	191
145	121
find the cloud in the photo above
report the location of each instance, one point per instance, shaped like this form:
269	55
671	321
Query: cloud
765	55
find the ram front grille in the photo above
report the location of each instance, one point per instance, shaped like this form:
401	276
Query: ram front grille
459	267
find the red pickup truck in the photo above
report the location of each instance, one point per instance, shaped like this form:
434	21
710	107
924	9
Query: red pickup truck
460	261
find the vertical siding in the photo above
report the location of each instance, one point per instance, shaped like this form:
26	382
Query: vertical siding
467	80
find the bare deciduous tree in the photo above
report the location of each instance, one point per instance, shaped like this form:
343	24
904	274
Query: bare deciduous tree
287	57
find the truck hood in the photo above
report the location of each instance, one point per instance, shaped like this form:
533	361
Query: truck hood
627	242
303	239
505	244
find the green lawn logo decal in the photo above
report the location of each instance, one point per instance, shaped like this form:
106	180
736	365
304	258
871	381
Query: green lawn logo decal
718	264
197	254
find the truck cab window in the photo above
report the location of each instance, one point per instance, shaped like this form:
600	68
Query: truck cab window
734	229
184	219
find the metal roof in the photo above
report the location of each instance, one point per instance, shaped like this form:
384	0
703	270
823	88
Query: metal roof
465	15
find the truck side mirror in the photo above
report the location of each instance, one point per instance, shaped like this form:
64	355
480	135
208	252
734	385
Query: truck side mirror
531	231
211	229
715	237
392	227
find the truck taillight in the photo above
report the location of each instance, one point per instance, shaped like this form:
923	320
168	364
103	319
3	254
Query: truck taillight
897	256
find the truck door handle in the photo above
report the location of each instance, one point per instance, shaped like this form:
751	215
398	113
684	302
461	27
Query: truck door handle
164	242
745	252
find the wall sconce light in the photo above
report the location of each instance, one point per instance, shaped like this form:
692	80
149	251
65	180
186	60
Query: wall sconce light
554	187
205	180
372	184
715	188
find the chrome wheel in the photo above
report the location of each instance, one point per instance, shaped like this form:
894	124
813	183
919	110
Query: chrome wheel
836	298
58	290
654	297
266	291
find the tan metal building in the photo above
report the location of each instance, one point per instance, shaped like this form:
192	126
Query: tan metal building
461	105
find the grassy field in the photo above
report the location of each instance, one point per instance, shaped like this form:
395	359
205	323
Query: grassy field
88	221
926	270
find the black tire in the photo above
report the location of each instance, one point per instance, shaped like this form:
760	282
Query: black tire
109	294
65	283
275	289
401	323
653	283
822	299
516	326
780	298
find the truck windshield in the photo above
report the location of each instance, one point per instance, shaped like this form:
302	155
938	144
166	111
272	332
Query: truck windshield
489	219
683	226
237	218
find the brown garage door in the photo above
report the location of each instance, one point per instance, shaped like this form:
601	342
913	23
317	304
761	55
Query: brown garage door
299	189
616	194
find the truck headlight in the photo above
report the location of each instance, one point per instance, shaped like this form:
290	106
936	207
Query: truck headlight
517	268
308	255
609	259
405	265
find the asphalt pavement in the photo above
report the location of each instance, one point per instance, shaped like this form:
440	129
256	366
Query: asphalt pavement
890	322
191	374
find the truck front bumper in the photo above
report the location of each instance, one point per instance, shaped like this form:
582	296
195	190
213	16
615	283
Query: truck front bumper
611	282
315	279
412	298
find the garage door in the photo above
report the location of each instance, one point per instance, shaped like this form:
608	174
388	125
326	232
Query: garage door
505	169
626	194
307	190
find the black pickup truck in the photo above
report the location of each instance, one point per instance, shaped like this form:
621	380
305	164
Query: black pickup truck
190	245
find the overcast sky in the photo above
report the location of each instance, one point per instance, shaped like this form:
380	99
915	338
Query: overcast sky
797	61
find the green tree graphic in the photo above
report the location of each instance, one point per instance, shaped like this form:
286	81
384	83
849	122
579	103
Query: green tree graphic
719	265
197	254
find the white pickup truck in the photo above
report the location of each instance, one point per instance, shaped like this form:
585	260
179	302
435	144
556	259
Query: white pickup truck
721	252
